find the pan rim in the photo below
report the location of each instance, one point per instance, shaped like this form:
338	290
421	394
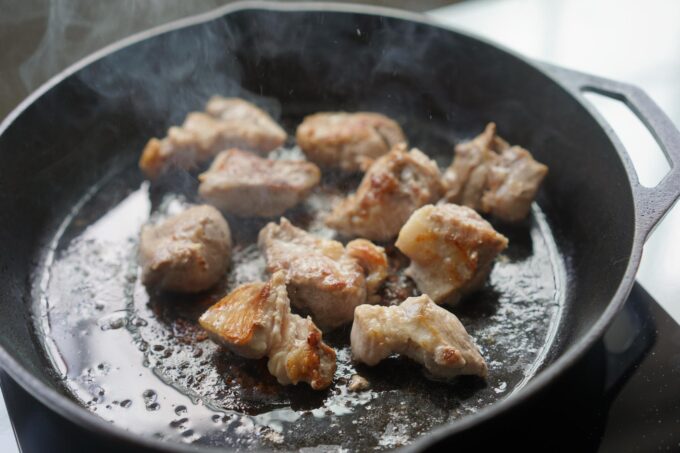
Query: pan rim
72	411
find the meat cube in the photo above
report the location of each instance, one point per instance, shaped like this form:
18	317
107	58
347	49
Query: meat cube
420	330
188	252
246	185
493	177
452	250
325	279
256	129
230	122
348	141
255	321
512	184
394	186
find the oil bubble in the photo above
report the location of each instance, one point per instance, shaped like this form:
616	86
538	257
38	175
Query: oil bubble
179	423
149	394
113	321
150	398
138	322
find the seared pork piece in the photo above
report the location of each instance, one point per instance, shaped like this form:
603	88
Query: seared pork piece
255	321
301	354
236	109
348	141
325	279
492	177
512	184
418	329
358	383
230	122
244	184
394	186
452	250
244	319
188	252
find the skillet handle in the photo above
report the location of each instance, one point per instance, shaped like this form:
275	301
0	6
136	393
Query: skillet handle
651	203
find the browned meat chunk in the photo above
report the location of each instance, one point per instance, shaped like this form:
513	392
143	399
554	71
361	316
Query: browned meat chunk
418	329
452	250
358	383
324	278
394	186
188	252
492	177
255	321
230	122
348	141
244	184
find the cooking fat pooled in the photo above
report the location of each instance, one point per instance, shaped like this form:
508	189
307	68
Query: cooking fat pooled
492	177
325	278
226	123
188	252
348	141
246	185
255	321
394	186
420	330
452	250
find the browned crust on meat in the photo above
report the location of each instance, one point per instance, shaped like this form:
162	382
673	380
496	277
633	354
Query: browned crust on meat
243	307
304	363
151	161
449	356
369	255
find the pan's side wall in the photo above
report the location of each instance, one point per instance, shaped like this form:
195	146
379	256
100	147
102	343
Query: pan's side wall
299	62
49	157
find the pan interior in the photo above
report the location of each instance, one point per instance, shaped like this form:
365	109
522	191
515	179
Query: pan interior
141	362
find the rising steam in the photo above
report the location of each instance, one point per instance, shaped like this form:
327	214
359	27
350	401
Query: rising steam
76	28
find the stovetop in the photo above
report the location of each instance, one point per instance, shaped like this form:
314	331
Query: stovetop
638	410
643	365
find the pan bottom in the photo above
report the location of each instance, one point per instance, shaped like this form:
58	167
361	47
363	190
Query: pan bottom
140	360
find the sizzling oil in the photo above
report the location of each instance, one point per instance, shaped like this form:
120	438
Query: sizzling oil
139	360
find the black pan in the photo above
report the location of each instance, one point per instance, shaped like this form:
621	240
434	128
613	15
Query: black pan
86	339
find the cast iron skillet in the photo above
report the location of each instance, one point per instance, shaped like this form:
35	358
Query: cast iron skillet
90	122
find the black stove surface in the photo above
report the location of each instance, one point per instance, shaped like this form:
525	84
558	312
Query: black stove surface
636	409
